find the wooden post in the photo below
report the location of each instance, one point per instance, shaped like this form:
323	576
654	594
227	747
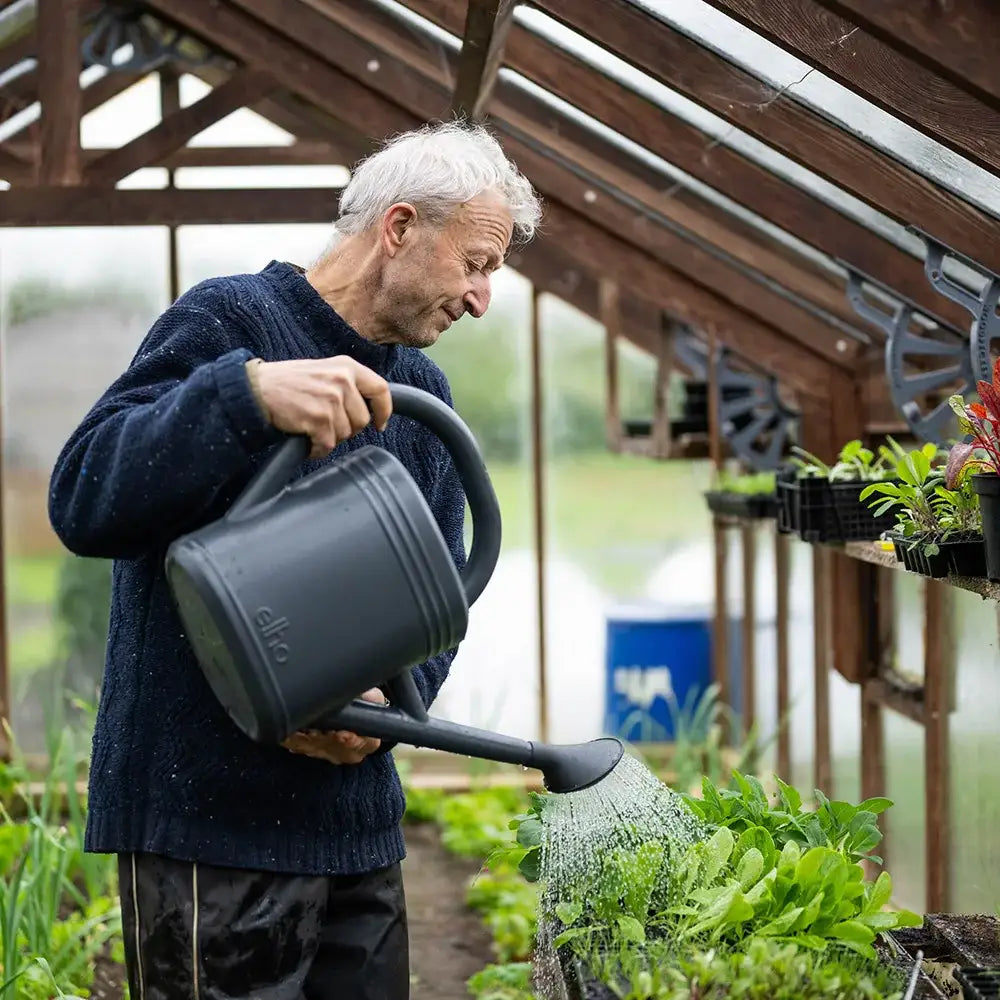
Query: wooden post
822	614
538	484
873	776
59	66
720	625
749	539
170	102
938	669
610	309
714	430
781	583
661	445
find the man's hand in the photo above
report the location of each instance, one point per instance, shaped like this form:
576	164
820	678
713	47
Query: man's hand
337	747
323	398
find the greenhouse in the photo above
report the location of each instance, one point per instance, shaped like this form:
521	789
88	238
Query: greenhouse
720	722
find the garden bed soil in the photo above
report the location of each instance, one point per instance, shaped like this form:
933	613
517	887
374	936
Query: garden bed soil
109	978
448	941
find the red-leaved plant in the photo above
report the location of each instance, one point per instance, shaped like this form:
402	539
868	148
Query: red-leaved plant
981	421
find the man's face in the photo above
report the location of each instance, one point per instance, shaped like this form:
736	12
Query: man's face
435	274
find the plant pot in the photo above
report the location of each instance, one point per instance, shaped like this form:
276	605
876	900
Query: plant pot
911	557
898	544
813	509
979	984
966	556
855	520
785	499
987	486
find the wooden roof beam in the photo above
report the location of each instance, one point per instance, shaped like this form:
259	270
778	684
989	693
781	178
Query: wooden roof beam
59	67
244	87
487	23
833	153
307	152
876	72
101	206
781	202
838	344
956	41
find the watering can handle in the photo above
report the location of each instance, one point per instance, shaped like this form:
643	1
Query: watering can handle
438	417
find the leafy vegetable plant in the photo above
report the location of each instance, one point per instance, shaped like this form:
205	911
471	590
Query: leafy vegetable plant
839	825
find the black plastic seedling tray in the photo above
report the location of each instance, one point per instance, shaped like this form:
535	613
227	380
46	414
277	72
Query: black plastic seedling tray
745	505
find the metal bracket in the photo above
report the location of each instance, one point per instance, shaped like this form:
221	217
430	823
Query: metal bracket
983	307
691	353
902	345
120	24
760	439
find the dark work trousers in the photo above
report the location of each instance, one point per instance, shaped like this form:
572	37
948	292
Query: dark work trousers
195	932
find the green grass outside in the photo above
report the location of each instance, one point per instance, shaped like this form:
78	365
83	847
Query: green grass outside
33	579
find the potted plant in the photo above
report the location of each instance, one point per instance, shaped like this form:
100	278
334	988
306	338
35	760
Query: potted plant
746	496
825	500
981	422
937	529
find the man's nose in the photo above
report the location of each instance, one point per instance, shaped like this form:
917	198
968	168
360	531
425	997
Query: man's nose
477	299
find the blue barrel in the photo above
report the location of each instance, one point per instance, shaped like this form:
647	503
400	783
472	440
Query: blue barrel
656	664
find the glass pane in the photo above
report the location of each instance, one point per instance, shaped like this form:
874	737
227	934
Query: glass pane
801	714
905	821
66	336
879	128
974	744
628	537
494	679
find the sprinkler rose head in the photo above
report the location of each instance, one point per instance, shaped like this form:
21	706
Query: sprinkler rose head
579	765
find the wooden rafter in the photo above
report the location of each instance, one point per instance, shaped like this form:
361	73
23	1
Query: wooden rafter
877	73
315	79
259	44
630	114
487	23
833	153
604	161
421	96
308	152
25	140
957	41
100	206
243	87
59	66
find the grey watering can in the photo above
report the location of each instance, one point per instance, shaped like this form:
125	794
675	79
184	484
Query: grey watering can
305	595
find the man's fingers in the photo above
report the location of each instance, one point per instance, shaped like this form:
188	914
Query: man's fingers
376	390
356	409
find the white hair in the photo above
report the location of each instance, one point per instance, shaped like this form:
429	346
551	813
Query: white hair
436	168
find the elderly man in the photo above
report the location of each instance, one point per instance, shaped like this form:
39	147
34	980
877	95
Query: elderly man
252	871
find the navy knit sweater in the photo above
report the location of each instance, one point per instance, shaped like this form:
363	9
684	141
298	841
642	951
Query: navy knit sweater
166	449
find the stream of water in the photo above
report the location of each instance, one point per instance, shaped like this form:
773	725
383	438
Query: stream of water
628	808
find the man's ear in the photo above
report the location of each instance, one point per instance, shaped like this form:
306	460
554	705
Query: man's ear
396	223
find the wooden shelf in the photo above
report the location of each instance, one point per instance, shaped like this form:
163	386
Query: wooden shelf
870	552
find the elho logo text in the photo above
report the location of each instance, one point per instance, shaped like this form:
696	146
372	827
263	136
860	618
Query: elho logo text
273	629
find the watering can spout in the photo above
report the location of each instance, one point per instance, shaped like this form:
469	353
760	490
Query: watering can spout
569	768
577	766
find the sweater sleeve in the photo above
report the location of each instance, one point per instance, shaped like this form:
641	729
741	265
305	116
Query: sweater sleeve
154	452
447	503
